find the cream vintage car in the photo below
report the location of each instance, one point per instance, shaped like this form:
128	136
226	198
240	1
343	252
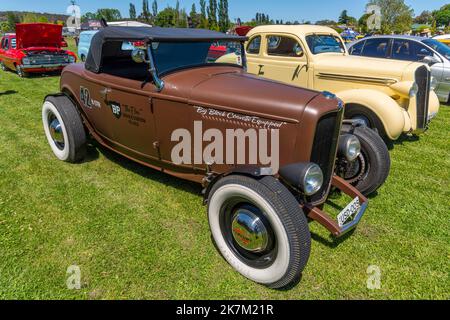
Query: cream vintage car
393	97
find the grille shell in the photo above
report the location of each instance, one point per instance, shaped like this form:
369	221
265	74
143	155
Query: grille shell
324	150
422	77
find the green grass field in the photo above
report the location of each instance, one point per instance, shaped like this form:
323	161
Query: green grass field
139	234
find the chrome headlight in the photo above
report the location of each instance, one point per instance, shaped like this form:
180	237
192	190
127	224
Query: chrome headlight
433	83
25	61
312	180
72	59
349	147
413	91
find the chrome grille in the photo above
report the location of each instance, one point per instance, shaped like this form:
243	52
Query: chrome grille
422	76
43	59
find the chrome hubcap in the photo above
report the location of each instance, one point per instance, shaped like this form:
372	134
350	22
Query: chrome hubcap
249	231
56	131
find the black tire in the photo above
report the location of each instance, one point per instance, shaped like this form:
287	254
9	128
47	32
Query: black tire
83	58
2	66
20	72
354	112
371	169
279	266
71	129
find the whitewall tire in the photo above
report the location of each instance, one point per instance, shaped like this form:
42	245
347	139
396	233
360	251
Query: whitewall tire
259	229
64	129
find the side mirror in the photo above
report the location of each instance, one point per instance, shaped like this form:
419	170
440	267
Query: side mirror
430	60
138	55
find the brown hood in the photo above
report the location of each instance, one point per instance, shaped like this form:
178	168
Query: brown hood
232	88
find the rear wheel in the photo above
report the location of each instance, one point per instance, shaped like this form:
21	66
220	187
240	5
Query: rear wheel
64	129
260	229
371	168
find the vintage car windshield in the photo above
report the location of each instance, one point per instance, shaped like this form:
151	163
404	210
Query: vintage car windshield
439	47
323	43
170	56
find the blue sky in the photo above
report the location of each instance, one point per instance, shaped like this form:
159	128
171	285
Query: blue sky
245	9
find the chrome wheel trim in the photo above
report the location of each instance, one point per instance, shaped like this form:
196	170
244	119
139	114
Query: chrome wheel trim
61	152
248	231
56	131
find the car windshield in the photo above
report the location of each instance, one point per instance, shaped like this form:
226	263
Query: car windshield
170	56
324	44
439	47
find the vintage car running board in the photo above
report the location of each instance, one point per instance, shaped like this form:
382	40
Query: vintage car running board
331	224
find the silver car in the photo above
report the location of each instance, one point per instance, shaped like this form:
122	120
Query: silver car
410	48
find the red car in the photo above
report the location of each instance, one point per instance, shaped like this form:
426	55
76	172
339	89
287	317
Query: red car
34	48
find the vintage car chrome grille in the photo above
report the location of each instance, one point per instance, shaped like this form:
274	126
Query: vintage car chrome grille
423	95
325	148
43	59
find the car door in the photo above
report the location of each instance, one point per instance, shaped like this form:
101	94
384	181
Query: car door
284	59
7	57
2	51
376	48
253	50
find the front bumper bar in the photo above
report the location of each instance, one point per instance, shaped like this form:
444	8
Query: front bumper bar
331	224
44	66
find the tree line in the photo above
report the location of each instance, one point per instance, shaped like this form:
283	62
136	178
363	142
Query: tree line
213	15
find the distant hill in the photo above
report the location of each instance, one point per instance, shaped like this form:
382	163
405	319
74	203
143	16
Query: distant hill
50	16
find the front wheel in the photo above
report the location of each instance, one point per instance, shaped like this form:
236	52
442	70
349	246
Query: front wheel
2	66
371	168
64	129
260	229
20	72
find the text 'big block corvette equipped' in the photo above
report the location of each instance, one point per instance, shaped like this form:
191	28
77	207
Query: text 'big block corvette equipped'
147	103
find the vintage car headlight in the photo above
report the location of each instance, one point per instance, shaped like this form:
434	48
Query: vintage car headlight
433	83
413	91
25	61
349	147
72	59
312	180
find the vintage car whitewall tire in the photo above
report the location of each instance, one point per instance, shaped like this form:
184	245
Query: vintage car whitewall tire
370	170
276	255
64	129
2	66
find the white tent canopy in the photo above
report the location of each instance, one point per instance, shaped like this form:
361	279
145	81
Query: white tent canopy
128	24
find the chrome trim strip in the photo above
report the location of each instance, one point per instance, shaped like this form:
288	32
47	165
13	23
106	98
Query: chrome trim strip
343	77
34	66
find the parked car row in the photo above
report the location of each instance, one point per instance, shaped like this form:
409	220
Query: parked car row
145	92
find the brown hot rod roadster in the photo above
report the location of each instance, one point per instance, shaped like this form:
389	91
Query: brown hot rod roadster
144	104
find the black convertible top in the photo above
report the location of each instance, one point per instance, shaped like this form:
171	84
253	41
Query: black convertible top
108	41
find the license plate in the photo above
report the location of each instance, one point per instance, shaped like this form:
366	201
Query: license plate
352	208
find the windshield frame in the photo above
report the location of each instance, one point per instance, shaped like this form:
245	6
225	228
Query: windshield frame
337	37
439	45
199	65
157	76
